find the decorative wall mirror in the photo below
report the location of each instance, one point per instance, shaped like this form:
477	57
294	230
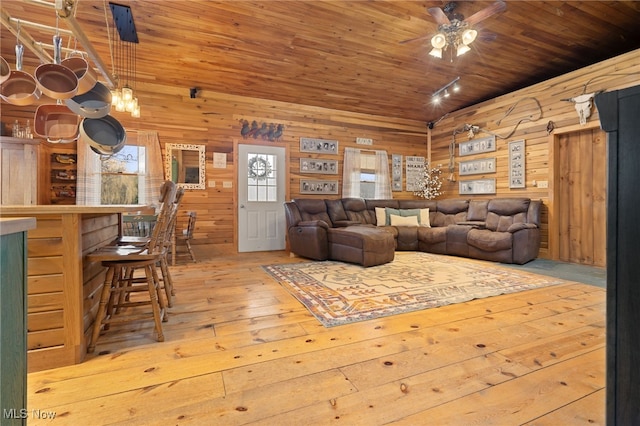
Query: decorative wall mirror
185	165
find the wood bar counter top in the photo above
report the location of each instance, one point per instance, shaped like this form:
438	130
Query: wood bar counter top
63	287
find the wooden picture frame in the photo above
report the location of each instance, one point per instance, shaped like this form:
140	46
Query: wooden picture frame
318	146
396	174
517	171
477	186
313	186
477	146
318	166
477	167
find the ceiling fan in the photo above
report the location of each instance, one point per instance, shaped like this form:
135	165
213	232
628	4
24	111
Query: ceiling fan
454	31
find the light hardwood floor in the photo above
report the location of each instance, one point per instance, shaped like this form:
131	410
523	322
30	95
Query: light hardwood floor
239	349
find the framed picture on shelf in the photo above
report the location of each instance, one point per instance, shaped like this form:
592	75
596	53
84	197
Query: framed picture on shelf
478	167
319	166
516	164
478	186
309	186
478	146
320	146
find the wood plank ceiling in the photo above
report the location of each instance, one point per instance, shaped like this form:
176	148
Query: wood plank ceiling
348	55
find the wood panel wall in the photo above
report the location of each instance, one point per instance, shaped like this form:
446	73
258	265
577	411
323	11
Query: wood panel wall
526	114
214	120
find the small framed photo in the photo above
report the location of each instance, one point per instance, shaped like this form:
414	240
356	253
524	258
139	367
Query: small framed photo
478	167
309	186
319	146
517	164
478	186
478	146
319	166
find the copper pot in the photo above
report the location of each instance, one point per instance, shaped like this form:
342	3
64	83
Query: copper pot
5	71
19	88
55	80
96	103
105	135
56	123
86	75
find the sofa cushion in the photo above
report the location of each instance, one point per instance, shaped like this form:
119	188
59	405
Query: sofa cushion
491	241
313	209
432	235
356	210
477	210
335	210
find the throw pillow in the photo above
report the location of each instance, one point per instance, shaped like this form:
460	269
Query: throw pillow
381	216
424	218
403	220
389	211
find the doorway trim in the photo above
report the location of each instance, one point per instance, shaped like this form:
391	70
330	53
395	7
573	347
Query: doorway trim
554	208
287	178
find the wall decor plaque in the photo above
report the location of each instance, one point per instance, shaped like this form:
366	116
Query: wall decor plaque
309	186
321	146
396	174
516	164
478	167
319	166
478	146
478	186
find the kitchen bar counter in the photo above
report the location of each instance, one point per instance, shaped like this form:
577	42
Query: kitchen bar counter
63	287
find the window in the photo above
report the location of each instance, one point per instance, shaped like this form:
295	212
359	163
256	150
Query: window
367	175
123	176
262	185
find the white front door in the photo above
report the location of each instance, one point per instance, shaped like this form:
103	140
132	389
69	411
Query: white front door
261	196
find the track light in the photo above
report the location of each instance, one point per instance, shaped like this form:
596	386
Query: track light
443	92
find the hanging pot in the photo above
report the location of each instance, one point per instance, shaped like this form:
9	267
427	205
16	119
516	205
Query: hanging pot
5	71
86	75
105	135
56	123
55	80
19	88
96	103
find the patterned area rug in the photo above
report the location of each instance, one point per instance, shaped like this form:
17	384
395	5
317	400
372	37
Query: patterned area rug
339	293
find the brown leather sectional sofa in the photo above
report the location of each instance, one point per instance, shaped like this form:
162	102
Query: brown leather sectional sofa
504	230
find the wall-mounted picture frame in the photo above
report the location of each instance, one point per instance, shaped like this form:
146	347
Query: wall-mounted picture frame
319	166
477	186
414	172
477	167
517	164
396	172
320	146
478	146
311	186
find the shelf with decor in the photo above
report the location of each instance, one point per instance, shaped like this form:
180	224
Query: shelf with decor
60	170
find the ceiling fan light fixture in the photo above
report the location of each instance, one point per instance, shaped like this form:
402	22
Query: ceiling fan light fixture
468	36
436	52
462	49
439	41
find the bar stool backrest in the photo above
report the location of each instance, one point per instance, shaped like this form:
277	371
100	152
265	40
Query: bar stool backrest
167	198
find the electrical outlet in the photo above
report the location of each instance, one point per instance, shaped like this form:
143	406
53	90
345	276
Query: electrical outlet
543	184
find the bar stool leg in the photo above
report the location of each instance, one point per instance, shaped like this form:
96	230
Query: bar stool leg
100	315
156	303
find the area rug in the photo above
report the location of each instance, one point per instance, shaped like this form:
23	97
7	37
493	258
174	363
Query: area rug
339	293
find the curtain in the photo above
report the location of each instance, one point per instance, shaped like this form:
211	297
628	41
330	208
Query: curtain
89	178
351	173
383	181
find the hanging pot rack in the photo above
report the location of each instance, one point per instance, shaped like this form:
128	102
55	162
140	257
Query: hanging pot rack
65	11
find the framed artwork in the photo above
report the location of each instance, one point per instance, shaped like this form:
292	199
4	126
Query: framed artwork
318	165
309	186
478	167
516	164
396	172
478	186
415	172
478	146
320	146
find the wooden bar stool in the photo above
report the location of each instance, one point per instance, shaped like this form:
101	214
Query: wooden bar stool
121	282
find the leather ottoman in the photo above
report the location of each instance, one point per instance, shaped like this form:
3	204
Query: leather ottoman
363	245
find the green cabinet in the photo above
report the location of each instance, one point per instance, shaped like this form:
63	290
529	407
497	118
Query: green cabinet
13	320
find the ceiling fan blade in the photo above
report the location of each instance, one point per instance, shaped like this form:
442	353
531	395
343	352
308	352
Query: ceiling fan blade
424	37
439	15
496	7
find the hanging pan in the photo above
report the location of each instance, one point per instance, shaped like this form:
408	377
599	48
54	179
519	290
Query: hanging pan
19	88
55	80
5	71
105	135
96	103
86	75
56	123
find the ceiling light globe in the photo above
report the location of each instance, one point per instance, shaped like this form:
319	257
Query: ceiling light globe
435	99
468	36
438	41
462	49
436	52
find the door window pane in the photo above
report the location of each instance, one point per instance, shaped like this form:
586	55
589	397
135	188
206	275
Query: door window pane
261	173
